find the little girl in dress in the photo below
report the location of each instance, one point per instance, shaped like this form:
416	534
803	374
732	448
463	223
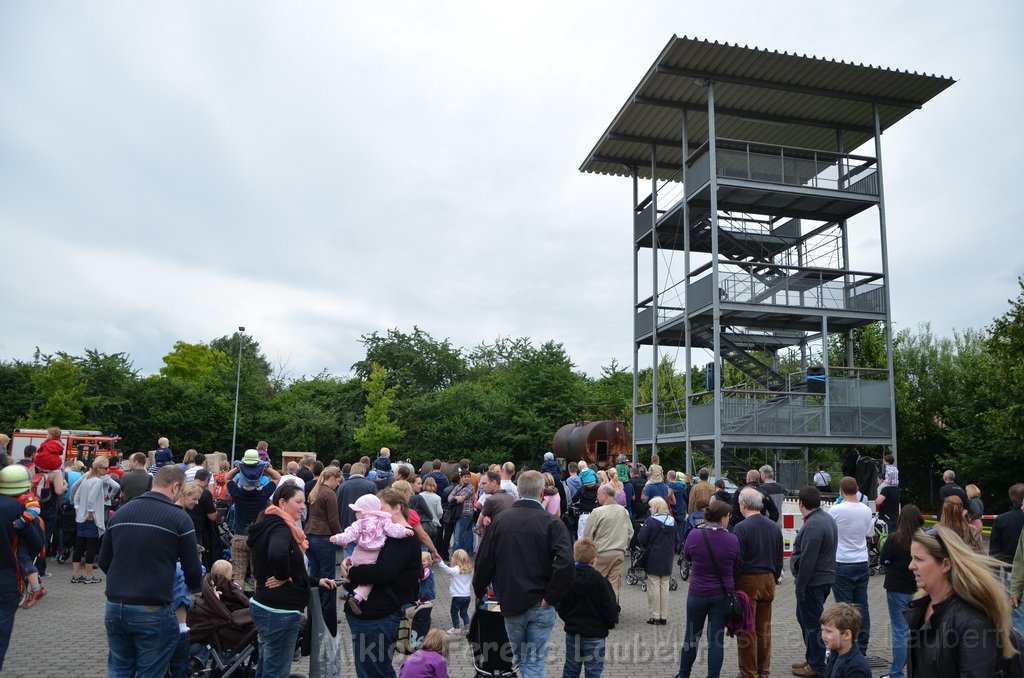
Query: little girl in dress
369	531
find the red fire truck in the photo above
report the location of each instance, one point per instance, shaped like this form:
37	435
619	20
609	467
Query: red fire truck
76	442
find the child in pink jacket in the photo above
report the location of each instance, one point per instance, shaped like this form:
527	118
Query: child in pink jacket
369	531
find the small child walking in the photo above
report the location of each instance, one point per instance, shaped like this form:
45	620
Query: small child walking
431	660
369	531
840	625
589	611
428	591
461	573
15	481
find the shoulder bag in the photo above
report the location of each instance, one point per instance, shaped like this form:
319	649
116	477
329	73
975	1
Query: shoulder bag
734	609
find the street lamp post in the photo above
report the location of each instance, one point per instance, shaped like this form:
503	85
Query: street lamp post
238	381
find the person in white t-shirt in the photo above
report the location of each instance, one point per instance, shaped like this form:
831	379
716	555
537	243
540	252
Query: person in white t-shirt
854	524
199	462
293	476
822	480
508	471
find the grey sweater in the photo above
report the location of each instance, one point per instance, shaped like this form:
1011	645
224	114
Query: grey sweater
814	552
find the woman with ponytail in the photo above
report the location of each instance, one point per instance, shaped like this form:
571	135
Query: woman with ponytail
323	521
960	620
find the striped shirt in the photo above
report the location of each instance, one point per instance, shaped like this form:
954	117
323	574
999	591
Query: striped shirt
144	540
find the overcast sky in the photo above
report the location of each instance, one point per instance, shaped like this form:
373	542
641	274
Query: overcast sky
319	171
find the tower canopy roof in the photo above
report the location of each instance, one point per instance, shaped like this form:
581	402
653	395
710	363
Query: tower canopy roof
760	95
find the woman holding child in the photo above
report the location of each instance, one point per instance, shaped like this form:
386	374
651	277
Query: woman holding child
395	578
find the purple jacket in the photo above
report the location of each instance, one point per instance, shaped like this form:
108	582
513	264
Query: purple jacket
726	547
424	664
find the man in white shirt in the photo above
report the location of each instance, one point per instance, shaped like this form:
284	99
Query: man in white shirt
293	476
822	480
508	470
854	524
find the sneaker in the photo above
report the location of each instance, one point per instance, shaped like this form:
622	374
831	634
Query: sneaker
35	597
44	575
454	631
92	580
77	580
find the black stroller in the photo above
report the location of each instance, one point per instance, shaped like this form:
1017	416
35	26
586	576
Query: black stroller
875	544
67	530
492	654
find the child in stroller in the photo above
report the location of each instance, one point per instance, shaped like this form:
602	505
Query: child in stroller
222	632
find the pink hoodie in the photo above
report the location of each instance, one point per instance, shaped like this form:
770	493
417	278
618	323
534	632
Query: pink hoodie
370	531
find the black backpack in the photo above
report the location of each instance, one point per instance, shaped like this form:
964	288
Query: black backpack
413	626
44	490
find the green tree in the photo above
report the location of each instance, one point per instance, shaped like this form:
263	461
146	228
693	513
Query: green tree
415	362
193	362
19	392
378	430
110	380
610	396
61	388
925	369
1005	344
315	415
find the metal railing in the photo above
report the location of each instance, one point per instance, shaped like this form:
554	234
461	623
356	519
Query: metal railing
808	168
854	405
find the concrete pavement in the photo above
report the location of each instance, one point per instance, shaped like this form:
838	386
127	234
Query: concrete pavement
63	635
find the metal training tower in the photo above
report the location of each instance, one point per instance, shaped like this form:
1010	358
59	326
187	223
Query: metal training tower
740	166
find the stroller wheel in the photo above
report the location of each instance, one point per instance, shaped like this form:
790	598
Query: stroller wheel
643	585
684	571
631	579
673	584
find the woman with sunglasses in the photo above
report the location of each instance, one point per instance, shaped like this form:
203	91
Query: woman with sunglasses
960	620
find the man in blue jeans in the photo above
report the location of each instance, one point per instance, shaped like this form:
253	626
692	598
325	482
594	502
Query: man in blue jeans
461	499
813	564
30	536
527	554
854	524
143	542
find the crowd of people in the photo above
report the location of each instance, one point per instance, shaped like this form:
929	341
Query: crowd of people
543	545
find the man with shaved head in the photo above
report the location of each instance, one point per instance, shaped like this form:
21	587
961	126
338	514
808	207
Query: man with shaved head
768	506
508	472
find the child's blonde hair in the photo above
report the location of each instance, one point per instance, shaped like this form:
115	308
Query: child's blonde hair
221	567
436	641
460	559
426	559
